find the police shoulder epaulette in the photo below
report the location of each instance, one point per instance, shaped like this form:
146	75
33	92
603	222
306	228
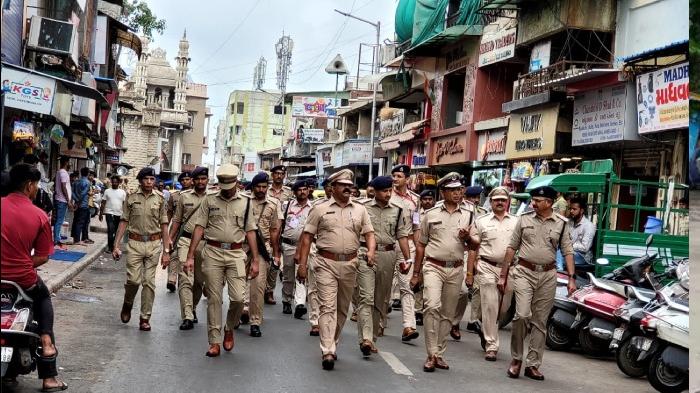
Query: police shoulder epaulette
287	188
363	201
413	194
212	192
559	216
158	193
485	216
434	207
393	204
190	191
245	195
273	200
529	212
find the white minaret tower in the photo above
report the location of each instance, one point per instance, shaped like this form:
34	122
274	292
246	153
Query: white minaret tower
182	59
140	74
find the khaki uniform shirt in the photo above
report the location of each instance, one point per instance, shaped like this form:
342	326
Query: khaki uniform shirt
296	218
172	202
439	232
338	229
409	202
145	214
560	206
266	216
223	220
537	238
187	202
283	195
495	235
390	222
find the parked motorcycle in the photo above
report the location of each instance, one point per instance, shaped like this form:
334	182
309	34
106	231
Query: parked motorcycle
19	336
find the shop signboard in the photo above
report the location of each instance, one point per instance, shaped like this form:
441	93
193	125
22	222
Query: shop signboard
498	41
76	151
539	58
312	135
663	99
356	153
23	131
449	149
112	157
314	106
28	92
392	122
492	145
599	116
532	133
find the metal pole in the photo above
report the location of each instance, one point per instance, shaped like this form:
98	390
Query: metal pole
375	59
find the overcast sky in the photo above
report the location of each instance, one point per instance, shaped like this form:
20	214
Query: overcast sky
228	37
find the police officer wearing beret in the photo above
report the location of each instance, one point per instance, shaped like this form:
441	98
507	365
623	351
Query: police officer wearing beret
190	283
185	179
145	218
536	237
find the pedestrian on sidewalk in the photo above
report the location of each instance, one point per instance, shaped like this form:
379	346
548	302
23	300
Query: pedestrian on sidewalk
63	197
111	206
26	244
81	199
226	220
338	225
146	220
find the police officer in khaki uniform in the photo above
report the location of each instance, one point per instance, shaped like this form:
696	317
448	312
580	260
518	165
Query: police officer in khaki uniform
493	232
427	202
190	284
145	218
265	211
311	288
224	219
295	212
409	201
391	224
444	234
282	194
537	236
185	180
338	224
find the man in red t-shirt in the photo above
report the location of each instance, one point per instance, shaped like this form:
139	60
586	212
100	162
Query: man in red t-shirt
25	227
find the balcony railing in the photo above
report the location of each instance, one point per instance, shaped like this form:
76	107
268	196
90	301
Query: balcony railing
541	80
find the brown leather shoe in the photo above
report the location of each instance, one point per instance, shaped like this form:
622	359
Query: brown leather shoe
214	350
514	368
228	340
490	356
366	348
380	333
354	316
409	334
429	365
144	325
270	298
374	348
328	362
454	333
441	363
315	331
125	315
534	373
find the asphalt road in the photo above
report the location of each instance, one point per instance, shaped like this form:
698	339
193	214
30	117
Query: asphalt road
97	353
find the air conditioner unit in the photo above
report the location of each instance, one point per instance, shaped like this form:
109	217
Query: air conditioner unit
51	35
387	53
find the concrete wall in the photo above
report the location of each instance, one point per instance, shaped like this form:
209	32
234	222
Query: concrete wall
193	140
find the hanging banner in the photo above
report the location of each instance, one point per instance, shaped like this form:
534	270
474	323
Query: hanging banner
314	106
599	116
663	99
28	92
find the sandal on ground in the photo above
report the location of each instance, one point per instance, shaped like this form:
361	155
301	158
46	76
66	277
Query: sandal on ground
58	388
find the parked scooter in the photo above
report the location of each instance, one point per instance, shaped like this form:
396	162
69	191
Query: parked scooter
19	336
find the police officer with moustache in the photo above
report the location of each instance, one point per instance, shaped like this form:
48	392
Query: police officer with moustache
283	194
294	217
145	217
536	237
390	223
493	232
224	220
338	224
444	234
185	179
312	289
191	283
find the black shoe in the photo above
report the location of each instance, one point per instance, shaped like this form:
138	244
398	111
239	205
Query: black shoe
255	331
419	319
473	327
328	362
396	304
286	308
187	325
299	311
245	317
195	320
388	311
171	287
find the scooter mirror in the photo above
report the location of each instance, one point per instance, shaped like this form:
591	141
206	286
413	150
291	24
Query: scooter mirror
602	261
650	239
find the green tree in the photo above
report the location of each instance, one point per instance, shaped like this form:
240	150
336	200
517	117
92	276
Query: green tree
139	17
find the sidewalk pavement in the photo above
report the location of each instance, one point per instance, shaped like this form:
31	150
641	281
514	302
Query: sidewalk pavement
57	273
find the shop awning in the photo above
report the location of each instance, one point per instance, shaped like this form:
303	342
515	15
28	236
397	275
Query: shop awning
579	76
409	132
434	44
667	50
305	174
106	84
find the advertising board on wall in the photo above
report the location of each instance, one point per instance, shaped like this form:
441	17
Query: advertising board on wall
663	99
498	41
533	133
314	106
312	135
599	116
28	92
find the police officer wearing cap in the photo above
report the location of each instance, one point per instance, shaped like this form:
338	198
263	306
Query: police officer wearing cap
391	223
190	283
145	218
185	179
536	237
444	236
282	194
492	232
225	221
338	225
311	288
409	201
293	219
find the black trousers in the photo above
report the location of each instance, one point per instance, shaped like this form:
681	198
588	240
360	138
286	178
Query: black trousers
81	224
112	225
42	307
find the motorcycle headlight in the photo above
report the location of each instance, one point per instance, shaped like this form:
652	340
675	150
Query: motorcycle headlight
20	321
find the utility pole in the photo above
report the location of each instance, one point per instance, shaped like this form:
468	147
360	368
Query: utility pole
375	69
284	61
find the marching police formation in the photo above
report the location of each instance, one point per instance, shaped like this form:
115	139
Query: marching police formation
437	250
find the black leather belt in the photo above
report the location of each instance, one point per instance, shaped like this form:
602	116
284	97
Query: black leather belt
187	235
490	262
291	242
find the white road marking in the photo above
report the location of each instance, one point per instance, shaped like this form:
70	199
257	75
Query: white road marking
395	363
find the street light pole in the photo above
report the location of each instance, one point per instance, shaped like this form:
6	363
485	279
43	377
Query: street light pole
375	68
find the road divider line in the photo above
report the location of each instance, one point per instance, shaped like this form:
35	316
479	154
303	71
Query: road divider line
395	363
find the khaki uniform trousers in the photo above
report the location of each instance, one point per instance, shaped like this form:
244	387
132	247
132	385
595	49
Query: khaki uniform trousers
440	290
311	287
256	291
487	277
191	284
534	296
374	288
271	278
335	282
292	290
141	265
403	282
464	300
223	267
174	266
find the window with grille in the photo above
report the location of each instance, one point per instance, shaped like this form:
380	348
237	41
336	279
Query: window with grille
239	108
186	158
